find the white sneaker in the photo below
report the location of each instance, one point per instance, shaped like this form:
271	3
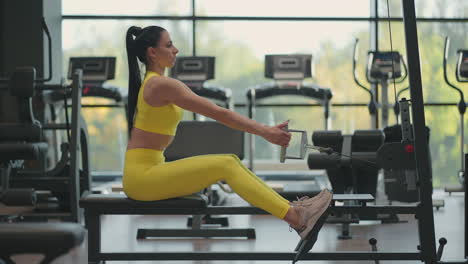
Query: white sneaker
311	213
307	200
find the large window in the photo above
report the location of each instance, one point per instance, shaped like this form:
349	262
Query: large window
428	8
123	7
267	8
240	48
107	126
85	37
240	33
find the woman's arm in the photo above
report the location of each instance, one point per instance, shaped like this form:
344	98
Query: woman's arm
178	93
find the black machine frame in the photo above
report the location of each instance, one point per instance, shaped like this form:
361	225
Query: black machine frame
99	205
424	211
71	186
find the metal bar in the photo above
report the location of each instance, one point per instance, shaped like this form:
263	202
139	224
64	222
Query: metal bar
362	255
248	233
74	173
102	105
115	209
194	30
265	18
439	104
53	126
385	104
374	45
93	225
466	205
426	216
333	105
326	113
374	27
57	184
251	114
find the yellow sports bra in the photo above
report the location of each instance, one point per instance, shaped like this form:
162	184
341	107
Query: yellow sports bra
161	119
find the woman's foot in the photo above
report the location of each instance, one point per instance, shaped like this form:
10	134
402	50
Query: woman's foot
306	199
310	212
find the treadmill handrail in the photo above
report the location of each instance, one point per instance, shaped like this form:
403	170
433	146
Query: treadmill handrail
217	93
446	50
356	80
308	90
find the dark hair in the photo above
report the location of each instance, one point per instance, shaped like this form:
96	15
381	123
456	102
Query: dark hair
136	47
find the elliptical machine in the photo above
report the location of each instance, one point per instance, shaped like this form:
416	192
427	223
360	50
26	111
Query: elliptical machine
462	77
382	68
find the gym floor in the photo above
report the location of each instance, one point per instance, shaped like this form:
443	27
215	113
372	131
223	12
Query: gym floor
119	234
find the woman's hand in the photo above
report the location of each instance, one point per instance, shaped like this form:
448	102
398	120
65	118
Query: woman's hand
277	135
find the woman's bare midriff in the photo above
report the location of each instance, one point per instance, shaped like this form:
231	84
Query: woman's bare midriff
149	140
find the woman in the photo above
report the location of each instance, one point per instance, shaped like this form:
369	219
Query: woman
154	110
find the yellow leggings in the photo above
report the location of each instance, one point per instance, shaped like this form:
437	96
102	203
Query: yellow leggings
147	177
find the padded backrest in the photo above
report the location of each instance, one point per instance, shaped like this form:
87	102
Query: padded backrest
328	139
393	133
367	140
21	132
50	239
205	137
22	82
21	90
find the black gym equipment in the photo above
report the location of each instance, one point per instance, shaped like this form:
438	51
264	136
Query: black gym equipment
382	68
97	205
349	168
465	184
462	77
49	239
351	163
288	73
23	140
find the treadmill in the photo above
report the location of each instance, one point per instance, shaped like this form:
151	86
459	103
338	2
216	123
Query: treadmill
194	72
212	137
288	73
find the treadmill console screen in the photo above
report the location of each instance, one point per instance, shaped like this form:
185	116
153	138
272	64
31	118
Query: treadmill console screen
95	69
462	64
288	67
382	64
193	69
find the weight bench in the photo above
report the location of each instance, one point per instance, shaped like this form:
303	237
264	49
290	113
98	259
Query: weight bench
49	239
211	138
96	205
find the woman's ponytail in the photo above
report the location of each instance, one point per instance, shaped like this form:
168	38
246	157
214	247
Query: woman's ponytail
134	75
137	42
